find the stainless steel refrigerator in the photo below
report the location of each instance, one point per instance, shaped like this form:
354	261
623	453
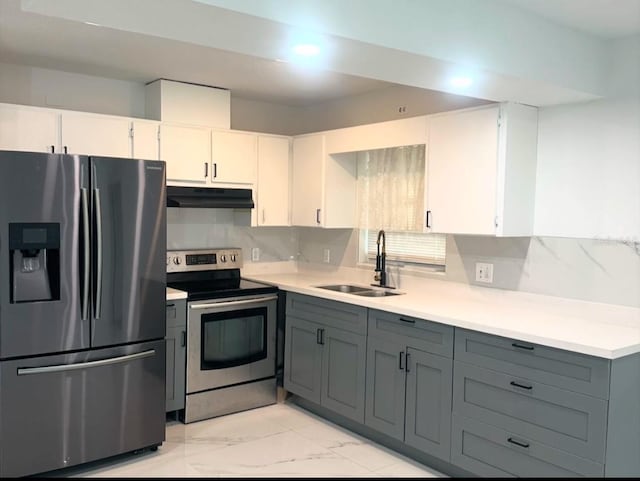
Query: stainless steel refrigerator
82	309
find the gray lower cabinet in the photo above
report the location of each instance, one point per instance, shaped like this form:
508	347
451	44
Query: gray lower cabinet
409	390
176	341
323	363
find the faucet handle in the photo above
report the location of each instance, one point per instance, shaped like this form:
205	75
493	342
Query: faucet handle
376	277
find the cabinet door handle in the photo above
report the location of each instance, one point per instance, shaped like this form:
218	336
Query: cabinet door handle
317	216
522	346
53	149
409	321
322	336
215	170
318	336
428	219
518	443
400	356
65	149
184	338
407	358
206	169
521	386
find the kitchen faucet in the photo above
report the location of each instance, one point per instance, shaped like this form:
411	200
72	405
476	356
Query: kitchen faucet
381	270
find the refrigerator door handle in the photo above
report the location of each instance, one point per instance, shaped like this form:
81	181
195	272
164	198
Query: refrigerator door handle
98	286
24	371
86	254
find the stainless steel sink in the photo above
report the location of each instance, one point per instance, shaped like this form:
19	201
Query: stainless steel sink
359	291
373	293
345	288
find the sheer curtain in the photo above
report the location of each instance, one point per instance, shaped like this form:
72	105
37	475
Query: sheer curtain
391	188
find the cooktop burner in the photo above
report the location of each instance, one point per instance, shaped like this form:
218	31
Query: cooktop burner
211	274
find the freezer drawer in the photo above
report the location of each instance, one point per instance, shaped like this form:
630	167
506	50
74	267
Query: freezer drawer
62	410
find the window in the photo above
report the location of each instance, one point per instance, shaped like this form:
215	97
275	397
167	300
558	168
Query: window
391	197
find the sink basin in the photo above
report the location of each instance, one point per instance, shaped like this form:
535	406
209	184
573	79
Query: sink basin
371	293
345	288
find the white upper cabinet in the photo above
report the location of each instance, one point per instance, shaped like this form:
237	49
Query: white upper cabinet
187	152
89	134
29	129
481	171
145	139
273	181
234	157
324	186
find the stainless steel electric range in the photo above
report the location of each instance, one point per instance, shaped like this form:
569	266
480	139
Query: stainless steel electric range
231	333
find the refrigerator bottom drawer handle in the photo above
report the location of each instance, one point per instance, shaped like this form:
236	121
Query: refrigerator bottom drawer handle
23	371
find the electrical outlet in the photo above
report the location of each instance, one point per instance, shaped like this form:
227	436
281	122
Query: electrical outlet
327	256
484	272
255	254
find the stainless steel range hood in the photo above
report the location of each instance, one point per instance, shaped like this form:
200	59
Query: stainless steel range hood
211	197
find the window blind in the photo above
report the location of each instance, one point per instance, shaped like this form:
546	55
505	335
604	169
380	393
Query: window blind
411	247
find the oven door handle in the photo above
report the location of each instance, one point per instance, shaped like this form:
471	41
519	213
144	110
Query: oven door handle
233	303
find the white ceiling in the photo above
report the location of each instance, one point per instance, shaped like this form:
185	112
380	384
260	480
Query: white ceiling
604	18
61	44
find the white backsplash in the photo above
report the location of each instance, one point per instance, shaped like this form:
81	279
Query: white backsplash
595	270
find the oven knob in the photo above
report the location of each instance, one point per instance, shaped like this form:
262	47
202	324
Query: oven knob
223	258
177	261
168	259
233	257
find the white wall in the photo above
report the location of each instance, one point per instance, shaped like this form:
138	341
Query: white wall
21	84
378	106
588	173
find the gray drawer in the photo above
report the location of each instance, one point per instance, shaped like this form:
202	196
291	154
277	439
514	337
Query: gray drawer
565	369
486	450
420	334
558	418
176	313
330	313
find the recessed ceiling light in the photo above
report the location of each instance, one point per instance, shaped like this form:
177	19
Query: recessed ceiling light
461	82
306	49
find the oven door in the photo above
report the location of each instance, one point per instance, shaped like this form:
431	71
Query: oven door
230	341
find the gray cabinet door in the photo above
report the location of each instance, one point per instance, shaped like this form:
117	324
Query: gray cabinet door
428	406
176	358
385	387
343	372
303	359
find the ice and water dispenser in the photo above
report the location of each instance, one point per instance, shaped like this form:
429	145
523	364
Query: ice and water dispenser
34	257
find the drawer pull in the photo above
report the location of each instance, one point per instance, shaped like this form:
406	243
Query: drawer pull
410	321
521	346
518	443
171	305
521	386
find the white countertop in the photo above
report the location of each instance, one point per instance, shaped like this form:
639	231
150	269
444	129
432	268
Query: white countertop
604	330
175	294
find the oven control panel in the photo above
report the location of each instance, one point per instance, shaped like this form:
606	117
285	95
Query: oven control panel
204	259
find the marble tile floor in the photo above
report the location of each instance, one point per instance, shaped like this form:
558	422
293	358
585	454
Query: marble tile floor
281	440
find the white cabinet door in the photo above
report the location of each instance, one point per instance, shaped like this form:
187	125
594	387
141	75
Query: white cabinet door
308	177
234	157
187	152
145	140
273	181
481	171
95	135
462	172
29	129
